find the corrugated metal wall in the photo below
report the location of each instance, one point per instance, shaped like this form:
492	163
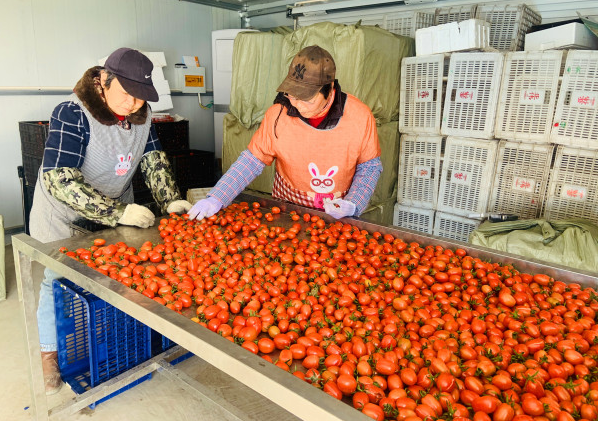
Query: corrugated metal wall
551	10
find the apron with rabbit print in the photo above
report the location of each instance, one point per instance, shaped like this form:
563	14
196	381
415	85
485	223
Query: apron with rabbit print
111	158
312	164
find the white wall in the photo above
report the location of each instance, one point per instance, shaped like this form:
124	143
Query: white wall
51	44
270	21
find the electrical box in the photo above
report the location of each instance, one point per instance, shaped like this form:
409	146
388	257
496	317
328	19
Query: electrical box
191	80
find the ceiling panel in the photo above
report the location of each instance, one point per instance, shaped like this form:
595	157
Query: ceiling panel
238	4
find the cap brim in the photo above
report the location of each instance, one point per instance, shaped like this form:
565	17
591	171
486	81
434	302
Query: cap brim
301	91
143	91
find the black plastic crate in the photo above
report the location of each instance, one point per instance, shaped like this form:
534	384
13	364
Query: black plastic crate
26	198
193	168
173	135
161	343
33	137
143	197
31	164
137	181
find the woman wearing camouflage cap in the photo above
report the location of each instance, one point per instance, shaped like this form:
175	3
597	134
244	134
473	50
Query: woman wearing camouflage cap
324	141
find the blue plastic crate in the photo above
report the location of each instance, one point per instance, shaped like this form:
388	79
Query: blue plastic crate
96	341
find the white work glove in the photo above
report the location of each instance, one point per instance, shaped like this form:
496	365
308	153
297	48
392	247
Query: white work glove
205	208
178	206
339	208
138	216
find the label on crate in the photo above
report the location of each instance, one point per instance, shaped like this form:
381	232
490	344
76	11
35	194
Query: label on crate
466	95
532	97
572	192
424	95
461	177
421	171
584	99
527	185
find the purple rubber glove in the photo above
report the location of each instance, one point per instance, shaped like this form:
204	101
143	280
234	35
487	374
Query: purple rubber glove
205	208
339	208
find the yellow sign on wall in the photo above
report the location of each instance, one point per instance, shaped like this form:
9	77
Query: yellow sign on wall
194	81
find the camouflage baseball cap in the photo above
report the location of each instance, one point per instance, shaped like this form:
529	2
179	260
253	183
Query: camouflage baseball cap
312	68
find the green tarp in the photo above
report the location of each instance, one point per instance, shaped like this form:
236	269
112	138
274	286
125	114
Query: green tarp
236	138
381	213
571	242
258	70
368	62
388	136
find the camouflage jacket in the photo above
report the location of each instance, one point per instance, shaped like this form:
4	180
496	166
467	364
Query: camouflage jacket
69	187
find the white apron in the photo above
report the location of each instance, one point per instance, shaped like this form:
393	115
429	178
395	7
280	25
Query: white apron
111	158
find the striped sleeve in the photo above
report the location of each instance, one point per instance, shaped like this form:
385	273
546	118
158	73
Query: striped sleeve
245	169
364	183
68	137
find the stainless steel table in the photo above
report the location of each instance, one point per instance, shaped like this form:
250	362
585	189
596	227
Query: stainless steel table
289	398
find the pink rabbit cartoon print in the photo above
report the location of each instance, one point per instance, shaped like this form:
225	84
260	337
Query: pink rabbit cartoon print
124	165
322	184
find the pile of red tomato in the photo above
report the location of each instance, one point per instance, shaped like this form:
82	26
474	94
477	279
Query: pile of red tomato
400	330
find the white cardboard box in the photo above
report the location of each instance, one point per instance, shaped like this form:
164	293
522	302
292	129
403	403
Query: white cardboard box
570	36
162	87
164	103
454	36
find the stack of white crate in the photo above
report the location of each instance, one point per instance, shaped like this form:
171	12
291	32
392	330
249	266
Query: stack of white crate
451	174
548	158
524	120
573	184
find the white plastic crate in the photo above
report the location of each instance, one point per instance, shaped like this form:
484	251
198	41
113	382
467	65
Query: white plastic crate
573	186
472	34
411	218
406	23
455	14
454	227
572	36
521	178
467	173
508	24
576	116
419	170
528	95
422	94
472	94
193	195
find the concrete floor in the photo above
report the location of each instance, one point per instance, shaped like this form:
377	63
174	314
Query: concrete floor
156	399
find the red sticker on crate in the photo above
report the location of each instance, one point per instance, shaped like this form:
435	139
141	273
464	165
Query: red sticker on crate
571	192
466	95
420	171
461	177
584	99
424	95
527	185
532	97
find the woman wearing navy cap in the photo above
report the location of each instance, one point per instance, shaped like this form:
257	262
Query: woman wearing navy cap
96	141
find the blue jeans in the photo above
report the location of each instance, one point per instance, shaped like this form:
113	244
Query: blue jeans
46	318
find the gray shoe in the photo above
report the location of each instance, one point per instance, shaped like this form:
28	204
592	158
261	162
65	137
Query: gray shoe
52	378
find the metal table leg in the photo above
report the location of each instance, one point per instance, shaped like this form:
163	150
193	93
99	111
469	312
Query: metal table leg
25	285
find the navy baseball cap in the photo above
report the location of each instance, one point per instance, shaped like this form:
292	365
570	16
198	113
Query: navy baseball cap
134	72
